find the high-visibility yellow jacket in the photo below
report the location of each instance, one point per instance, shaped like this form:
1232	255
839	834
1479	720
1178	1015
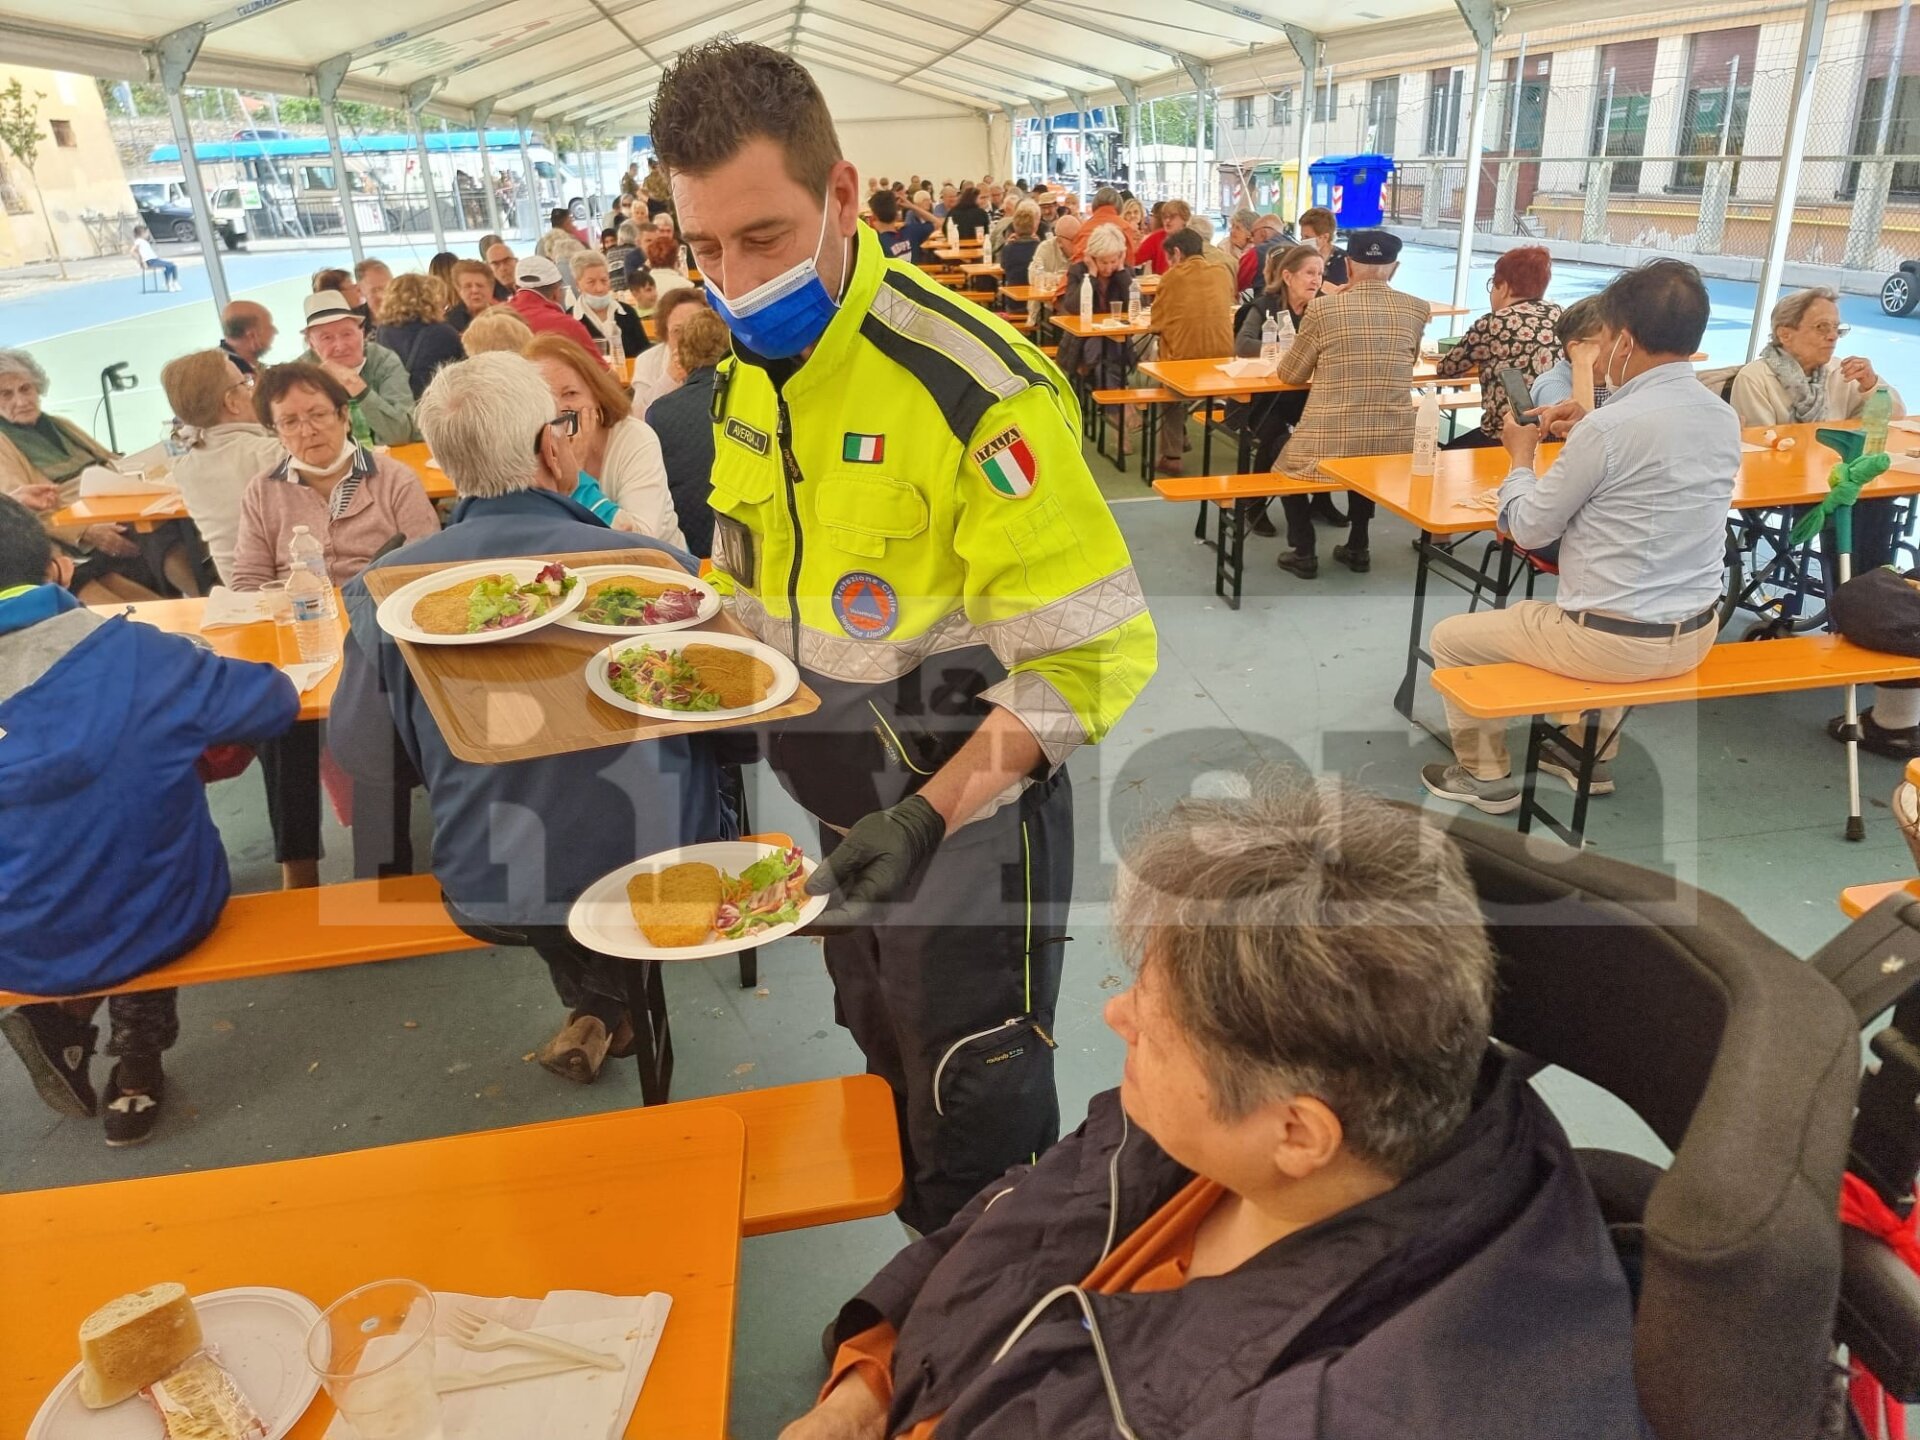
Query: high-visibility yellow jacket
908	515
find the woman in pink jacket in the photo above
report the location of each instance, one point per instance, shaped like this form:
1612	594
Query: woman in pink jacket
352	500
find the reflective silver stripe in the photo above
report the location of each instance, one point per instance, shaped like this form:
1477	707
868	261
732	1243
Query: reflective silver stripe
1072	620
866	662
929	327
1030	696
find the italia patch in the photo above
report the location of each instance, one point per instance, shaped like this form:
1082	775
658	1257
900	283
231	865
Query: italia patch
863	449
742	433
1008	464
866	606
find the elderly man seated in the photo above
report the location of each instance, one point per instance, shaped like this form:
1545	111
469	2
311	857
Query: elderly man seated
540	301
1319	1204
379	391
1638	503
515	845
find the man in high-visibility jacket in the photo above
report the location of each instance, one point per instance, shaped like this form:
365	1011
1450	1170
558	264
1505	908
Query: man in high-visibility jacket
901	506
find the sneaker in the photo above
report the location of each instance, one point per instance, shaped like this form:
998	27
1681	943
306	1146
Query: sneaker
1322	508
55	1048
1358	561
1452	782
1294	563
1876	739
130	1115
578	1051
1557	758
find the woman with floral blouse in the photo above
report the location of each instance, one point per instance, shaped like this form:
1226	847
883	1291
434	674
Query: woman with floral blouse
1517	331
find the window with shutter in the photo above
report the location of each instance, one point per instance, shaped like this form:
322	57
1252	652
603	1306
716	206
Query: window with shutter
1624	85
1713	117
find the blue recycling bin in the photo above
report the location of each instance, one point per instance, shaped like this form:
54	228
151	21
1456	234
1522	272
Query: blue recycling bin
1352	186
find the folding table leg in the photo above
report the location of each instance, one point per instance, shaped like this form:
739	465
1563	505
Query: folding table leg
1206	437
652	1035
1403	697
1200	523
1530	779
1220	552
1237	565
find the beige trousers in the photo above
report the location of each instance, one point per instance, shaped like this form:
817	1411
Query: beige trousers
1538	633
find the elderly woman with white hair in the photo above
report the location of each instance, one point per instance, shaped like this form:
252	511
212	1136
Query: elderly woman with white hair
41	458
604	313
1102	364
515	845
1795	380
1318	1202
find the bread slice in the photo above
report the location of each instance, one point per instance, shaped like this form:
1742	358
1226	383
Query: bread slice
739	679
675	907
129	1343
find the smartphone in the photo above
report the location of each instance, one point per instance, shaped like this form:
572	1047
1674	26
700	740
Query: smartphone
1519	394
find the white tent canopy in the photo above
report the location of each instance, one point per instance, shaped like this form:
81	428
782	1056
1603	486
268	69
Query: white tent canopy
593	65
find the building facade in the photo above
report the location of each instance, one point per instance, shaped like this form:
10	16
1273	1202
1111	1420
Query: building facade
81	184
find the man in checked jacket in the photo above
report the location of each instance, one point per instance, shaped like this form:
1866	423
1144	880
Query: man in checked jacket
1357	349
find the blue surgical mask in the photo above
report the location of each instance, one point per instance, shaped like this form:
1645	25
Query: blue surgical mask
781	318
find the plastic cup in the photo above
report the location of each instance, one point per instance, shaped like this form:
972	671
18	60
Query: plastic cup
373	1351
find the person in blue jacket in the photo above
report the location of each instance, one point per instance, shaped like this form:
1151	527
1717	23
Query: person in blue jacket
110	864
514	845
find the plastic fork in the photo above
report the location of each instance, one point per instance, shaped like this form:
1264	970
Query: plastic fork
476	1332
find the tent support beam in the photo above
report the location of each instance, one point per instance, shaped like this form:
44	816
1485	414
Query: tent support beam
417	97
1197	73
525	121
326	83
1786	190
175	54
482	113
1483	20
1309	47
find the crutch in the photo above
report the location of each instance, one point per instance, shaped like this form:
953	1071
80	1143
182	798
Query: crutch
1844	483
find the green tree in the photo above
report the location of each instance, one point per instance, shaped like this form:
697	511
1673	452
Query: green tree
20	133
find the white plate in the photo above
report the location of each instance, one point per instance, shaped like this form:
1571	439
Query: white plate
396	611
260	1337
786	679
594	574
602	920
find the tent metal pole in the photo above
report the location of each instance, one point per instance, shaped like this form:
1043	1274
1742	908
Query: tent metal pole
482	113
1470	192
326	81
426	181
525	121
1786	189
176	55
1307	46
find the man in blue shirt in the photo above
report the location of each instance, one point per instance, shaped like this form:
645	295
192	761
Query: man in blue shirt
1638	502
514	845
110	863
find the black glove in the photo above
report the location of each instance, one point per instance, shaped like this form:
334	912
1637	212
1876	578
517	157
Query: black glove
880	860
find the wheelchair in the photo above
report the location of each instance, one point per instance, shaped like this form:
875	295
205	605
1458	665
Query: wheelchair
1745	1061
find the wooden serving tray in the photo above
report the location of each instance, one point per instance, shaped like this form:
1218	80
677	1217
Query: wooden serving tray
527	698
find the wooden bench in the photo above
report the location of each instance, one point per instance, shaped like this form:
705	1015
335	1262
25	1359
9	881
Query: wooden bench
1148	397
1857	900
1230	499
1510	690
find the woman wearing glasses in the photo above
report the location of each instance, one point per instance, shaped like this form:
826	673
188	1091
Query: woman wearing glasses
1796	381
1517	331
225	445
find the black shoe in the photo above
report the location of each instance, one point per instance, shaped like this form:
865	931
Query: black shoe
1260	523
131	1116
55	1048
1294	563
1358	561
1875	739
1322	508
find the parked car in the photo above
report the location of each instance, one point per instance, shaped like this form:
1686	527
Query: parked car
164	207
1901	292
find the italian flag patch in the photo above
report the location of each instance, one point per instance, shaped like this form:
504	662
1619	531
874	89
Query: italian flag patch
863	449
1008	464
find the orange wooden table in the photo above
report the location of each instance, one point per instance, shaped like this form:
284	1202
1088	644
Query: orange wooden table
624	1203
119	510
1857	900
433	479
259	641
1205	380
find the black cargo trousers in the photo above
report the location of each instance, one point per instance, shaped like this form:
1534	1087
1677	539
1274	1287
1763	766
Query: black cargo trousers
952	1000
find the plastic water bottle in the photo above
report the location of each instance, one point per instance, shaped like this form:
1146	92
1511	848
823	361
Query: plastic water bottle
616	351
1270	340
316	623
1426	432
1283	333
1133	300
953	233
1874	417
1086	300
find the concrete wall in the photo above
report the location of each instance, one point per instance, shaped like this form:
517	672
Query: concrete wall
78	181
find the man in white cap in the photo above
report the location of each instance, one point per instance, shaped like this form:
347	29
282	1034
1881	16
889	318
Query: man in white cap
540	300
380	398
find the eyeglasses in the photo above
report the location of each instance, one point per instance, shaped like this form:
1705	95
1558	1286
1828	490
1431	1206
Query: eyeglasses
310	420
1832	332
245	382
567	422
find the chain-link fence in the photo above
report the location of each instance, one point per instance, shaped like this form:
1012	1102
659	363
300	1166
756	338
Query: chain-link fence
1606	135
